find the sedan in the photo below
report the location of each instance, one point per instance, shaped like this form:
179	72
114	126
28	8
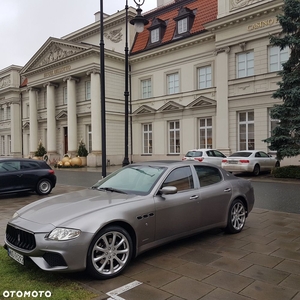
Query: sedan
134	209
211	156
250	161
22	175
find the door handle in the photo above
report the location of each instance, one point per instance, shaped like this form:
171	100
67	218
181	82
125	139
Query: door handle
194	197
20	175
227	190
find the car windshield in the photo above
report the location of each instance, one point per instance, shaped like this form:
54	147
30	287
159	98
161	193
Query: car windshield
135	179
241	154
194	154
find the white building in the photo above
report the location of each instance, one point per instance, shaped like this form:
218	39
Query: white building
202	75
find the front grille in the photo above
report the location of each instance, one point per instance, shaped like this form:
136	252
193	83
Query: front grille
54	259
20	238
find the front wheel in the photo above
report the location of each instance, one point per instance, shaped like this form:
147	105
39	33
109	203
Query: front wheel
109	252
44	187
236	217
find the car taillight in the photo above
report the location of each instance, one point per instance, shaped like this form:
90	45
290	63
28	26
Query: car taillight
51	171
183	158
224	160
199	158
244	161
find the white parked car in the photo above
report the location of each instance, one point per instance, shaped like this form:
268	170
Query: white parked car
253	161
211	156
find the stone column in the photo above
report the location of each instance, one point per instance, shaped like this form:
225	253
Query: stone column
72	115
94	158
16	138
33	129
51	121
222	117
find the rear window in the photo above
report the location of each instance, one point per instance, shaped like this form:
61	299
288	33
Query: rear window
240	154
194	154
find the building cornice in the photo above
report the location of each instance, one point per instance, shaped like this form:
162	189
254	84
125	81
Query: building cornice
243	16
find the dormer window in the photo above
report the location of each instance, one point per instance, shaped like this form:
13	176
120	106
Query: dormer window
182	26
184	21
157	30
155	35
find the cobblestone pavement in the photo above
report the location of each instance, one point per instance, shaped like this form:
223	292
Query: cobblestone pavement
262	262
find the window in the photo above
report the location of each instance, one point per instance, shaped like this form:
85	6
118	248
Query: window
245	64
65	95
146	88
1	114
277	57
2	145
174	137
45	99
27	112
181	178
173	83
87	90
155	35
147	138
89	133
208	175
204	77
246	130
205	133
9	144
8	115
182	26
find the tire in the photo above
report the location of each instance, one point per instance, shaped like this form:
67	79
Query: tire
44	187
256	170
109	252
236	217
277	165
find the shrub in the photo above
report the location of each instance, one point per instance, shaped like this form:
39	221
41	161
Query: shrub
287	172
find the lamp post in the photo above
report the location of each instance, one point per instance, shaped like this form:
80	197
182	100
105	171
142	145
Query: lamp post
102	85
139	22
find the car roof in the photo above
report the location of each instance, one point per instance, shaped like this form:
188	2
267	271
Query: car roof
170	163
19	159
203	149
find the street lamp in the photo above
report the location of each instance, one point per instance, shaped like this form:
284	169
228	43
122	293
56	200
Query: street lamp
139	22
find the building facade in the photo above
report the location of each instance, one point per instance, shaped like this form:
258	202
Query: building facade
202	75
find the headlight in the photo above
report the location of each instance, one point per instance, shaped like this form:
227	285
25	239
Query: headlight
63	234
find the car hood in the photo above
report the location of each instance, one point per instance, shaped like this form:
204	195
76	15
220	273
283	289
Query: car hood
62	208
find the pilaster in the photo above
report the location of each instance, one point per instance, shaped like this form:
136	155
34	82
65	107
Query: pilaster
33	129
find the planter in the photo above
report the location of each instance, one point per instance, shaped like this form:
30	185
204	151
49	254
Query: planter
83	160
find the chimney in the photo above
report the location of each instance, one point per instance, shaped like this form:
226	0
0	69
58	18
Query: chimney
163	2
97	16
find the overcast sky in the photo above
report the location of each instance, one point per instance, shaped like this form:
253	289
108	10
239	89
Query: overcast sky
27	24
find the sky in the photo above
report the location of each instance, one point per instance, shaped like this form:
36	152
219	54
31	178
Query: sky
25	25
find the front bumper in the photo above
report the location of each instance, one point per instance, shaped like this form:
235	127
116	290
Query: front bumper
51	255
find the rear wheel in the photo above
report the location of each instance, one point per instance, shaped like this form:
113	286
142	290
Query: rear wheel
44	187
109	252
236	217
256	170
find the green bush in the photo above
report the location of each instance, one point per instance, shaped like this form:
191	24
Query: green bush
287	172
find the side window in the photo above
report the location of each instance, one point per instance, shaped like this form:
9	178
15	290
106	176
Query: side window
25	165
218	154
10	166
208	175
263	154
181	178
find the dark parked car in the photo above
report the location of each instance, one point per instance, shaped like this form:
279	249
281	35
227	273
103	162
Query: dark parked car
134	209
20	175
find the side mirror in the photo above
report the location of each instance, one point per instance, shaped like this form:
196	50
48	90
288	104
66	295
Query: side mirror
168	190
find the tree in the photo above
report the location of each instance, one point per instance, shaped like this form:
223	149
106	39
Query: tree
41	151
82	151
285	137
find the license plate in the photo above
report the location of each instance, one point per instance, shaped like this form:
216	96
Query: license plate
16	256
232	162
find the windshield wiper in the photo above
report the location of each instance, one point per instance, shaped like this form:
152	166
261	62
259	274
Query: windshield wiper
111	189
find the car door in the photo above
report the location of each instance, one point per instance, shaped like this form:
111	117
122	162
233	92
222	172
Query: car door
177	213
218	157
266	161
215	195
9	176
29	174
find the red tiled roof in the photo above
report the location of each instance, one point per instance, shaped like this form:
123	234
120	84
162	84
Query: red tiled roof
206	11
